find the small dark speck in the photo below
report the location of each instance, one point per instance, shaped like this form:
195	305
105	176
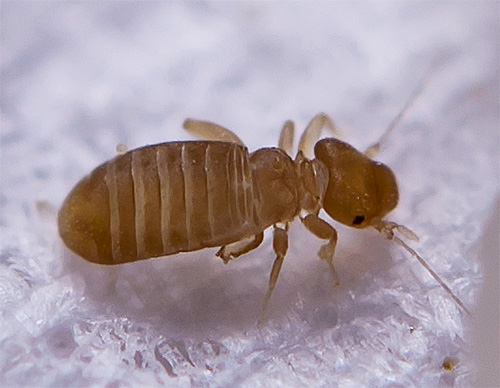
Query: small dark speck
449	364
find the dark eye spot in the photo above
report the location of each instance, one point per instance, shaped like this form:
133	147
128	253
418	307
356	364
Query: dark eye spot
358	220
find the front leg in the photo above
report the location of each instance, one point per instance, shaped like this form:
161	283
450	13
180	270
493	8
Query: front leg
324	231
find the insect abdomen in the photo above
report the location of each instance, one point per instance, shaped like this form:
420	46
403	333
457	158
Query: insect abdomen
160	200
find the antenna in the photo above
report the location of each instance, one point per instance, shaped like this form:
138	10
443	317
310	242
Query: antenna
375	148
433	274
386	228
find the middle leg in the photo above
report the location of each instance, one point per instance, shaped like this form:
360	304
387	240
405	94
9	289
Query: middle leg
280	246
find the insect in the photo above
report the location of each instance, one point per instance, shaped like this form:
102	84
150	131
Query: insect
176	197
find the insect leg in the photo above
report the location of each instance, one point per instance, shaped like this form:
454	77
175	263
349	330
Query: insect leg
227	252
280	246
313	131
209	131
325	231
286	137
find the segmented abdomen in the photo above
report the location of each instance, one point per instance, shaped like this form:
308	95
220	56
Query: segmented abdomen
163	199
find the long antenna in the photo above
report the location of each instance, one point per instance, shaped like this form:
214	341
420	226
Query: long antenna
431	271
375	148
386	228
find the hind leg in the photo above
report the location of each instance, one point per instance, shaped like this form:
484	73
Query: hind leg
286	137
206	130
228	252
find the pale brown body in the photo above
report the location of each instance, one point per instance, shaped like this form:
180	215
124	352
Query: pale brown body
176	197
183	196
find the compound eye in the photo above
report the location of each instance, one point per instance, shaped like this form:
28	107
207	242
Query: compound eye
358	220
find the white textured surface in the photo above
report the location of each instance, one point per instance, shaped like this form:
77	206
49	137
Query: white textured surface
77	79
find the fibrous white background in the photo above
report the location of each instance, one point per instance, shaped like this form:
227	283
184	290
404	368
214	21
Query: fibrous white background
79	78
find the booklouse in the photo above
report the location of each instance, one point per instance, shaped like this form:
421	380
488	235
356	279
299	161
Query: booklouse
174	197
